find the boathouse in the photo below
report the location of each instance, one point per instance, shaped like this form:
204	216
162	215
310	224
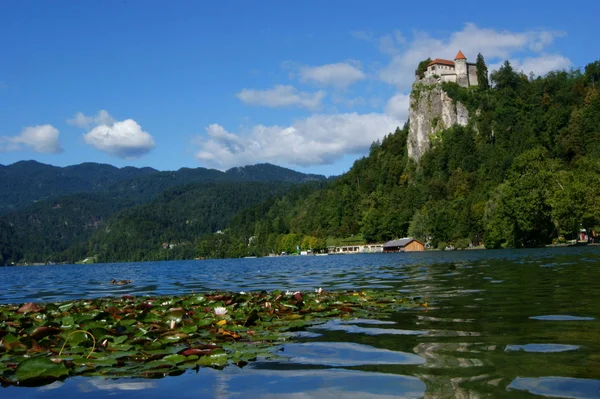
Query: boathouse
404	245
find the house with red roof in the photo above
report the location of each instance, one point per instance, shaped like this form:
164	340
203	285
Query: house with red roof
458	71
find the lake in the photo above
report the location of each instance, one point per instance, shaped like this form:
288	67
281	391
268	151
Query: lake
522	323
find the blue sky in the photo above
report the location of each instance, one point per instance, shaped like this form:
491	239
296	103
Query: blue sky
307	85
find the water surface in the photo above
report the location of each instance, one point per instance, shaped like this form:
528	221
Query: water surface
498	324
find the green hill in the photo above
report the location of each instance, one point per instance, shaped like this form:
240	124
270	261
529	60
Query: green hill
524	172
45	229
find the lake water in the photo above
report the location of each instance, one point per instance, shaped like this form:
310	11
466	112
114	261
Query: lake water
499	324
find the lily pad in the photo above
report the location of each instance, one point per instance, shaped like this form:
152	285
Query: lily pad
154	337
37	367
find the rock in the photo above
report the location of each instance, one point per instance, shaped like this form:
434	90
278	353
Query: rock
431	111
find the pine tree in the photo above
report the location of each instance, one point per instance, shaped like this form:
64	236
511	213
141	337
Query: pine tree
482	73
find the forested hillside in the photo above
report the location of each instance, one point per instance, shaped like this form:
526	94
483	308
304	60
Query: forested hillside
26	182
54	229
525	171
169	226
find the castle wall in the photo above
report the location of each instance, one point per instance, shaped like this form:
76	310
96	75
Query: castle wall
472	73
462	77
439	70
449	78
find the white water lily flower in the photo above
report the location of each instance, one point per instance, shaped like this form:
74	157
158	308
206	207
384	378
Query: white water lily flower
220	311
319	290
242	292
288	292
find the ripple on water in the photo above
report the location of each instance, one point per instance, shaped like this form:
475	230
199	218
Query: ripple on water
563	387
561	317
341	354
338	325
541	348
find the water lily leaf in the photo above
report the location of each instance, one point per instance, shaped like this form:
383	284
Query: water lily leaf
66	306
252	318
218	359
159	364
175	358
10	339
29	307
188	329
39	367
102	361
197	352
76	337
44	331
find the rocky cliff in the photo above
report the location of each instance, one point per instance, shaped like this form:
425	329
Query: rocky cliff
431	111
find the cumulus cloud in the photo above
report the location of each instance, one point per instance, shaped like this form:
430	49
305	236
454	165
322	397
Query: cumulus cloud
41	138
315	140
398	105
84	122
493	44
537	65
339	75
124	139
282	96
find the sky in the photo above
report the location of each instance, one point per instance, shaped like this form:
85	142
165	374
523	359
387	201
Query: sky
307	85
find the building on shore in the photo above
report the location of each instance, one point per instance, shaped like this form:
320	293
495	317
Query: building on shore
356	249
407	244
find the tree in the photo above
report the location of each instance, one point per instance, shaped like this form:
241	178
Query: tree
420	72
482	73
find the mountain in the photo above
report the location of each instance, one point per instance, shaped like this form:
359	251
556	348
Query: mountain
268	172
48	227
169	226
26	182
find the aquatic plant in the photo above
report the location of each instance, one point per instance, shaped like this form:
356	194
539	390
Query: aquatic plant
158	336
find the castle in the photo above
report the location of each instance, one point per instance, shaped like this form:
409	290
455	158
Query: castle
458	71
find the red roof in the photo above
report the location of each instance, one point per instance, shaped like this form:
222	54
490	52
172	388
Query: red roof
439	61
460	56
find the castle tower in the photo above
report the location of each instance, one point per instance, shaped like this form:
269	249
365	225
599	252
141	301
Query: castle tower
460	66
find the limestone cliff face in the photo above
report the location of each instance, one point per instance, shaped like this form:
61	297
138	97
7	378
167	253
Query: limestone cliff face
431	111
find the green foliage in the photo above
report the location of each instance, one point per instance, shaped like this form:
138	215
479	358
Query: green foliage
518	175
142	337
10	251
422	68
523	172
482	73
59	229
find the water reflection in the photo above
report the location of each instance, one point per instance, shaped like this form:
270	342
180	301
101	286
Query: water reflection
559	387
498	323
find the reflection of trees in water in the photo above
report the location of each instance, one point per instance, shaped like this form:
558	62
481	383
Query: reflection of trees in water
442	356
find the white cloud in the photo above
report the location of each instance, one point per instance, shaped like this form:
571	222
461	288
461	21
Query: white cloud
398	105
315	140
124	139
41	138
340	75
493	44
537	65
84	122
282	96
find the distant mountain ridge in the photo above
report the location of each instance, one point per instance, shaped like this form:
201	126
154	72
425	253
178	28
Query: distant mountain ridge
49	209
26	182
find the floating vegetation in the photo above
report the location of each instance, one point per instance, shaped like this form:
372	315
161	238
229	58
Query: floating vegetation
153	337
